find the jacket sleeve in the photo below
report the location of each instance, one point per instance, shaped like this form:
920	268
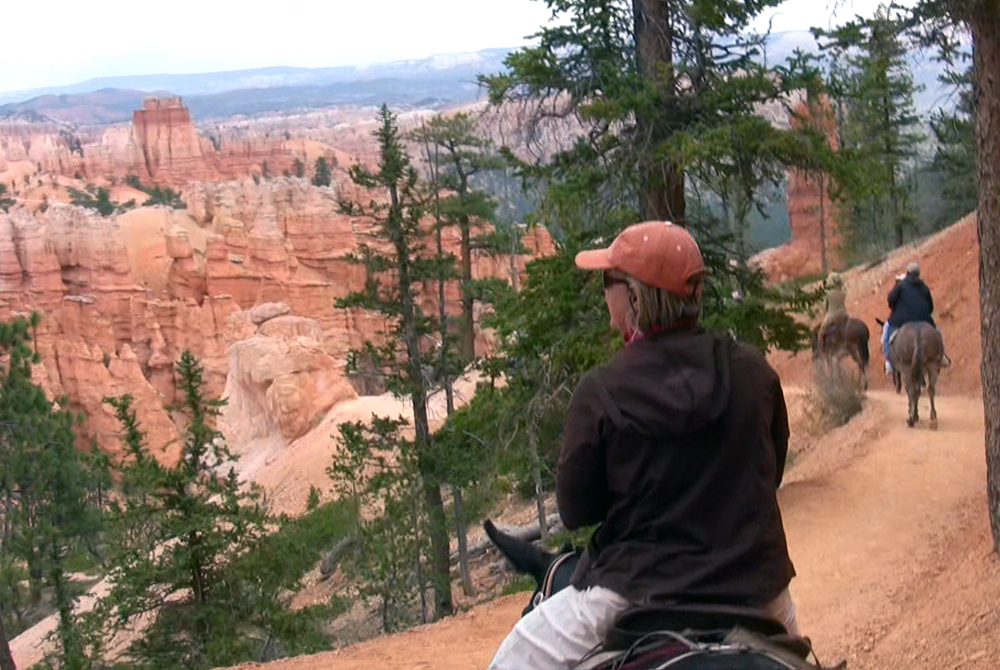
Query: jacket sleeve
581	478
894	295
779	431
930	299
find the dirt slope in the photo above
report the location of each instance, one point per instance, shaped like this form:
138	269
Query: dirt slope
888	531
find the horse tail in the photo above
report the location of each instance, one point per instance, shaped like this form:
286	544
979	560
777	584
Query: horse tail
917	364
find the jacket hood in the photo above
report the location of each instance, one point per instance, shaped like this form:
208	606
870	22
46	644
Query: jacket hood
685	381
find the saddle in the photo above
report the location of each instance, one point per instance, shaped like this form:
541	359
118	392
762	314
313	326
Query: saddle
696	637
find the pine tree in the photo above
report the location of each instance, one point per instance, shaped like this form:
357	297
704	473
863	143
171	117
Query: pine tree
45	478
455	153
402	260
322	175
664	93
378	470
6	658
955	153
460	153
5	202
182	528
880	126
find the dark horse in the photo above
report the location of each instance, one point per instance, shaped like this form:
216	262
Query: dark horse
681	637
916	352
849	338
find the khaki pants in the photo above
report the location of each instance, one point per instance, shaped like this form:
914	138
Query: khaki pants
561	630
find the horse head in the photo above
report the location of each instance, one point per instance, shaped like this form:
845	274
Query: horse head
550	571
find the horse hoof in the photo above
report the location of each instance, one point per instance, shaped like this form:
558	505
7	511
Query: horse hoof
910	422
933	424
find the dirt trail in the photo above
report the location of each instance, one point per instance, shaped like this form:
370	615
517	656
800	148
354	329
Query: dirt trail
888	531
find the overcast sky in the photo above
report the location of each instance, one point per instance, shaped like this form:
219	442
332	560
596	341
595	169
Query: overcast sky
61	42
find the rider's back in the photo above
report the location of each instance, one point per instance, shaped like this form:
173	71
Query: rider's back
835	303
678	445
910	300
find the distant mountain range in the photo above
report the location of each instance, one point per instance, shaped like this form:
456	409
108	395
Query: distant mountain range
437	80
428	82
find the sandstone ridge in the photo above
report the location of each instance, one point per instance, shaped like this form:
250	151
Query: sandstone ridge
123	296
160	147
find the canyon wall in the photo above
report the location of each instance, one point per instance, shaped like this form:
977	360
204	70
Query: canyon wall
161	147
123	296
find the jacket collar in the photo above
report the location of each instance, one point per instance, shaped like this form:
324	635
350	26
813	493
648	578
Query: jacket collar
685	326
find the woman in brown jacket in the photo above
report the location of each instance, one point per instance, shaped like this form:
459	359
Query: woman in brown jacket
676	447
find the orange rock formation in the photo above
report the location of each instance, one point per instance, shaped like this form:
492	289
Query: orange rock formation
161	147
811	213
122	296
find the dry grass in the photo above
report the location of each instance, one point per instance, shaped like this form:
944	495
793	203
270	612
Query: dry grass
836	396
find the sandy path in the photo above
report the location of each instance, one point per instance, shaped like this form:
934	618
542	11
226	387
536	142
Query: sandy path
865	536
887	528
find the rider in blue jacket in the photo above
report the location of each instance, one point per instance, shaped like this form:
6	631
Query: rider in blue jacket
909	300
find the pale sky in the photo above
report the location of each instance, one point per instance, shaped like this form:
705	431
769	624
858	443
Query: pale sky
60	42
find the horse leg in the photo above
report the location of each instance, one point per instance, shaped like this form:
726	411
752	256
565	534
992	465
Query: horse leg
932	374
913	395
856	355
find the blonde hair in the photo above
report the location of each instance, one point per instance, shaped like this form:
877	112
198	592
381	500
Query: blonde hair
654	307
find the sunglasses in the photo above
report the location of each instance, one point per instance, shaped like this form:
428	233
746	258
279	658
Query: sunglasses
610	280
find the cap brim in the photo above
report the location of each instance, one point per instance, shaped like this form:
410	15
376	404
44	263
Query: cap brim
595	259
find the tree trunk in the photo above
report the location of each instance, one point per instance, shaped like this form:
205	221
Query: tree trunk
440	564
661	191
515	277
463	541
69	637
985	25
438	531
536	471
34	578
822	224
6	658
449	392
418	564
468	320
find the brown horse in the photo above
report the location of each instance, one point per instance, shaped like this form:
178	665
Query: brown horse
916	352
850	338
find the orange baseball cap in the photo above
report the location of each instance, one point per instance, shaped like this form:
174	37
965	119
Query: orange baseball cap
657	253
